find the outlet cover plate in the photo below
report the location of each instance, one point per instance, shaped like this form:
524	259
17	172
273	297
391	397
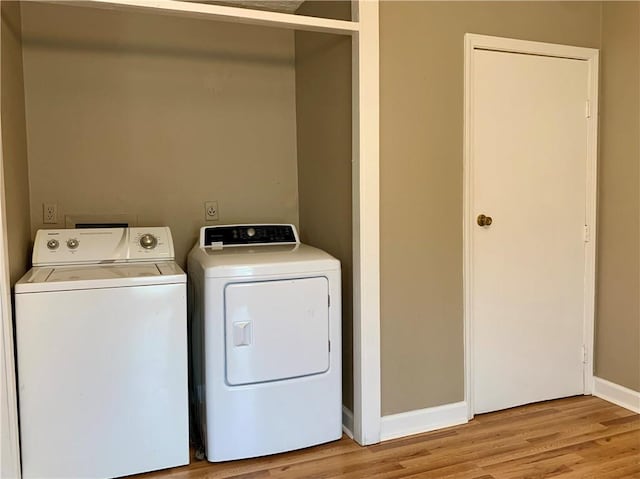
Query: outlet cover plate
49	213
211	211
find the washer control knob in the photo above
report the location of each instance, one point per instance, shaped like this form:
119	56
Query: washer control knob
148	241
53	244
251	232
73	243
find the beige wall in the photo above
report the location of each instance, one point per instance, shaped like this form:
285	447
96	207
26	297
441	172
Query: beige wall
150	116
14	146
323	94
421	83
618	299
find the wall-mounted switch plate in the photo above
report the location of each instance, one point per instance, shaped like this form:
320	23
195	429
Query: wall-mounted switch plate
211	211
49	213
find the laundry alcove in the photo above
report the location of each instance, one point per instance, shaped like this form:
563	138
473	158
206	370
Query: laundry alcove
134	115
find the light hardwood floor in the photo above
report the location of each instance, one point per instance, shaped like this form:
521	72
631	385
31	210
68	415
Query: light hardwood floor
579	437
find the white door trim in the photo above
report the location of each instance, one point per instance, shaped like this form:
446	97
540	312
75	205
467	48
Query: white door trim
366	223
482	42
7	360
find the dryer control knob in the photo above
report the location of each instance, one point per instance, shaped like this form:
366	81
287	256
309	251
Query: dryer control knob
148	241
53	244
251	232
73	243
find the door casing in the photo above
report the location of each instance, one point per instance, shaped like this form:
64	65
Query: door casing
474	42
10	457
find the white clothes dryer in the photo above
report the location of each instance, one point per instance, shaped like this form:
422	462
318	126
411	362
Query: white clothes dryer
102	354
266	341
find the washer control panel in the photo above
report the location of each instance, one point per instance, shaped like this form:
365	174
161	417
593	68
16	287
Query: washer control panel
102	245
248	235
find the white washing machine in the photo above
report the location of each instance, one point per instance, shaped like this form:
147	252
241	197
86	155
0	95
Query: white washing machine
266	341
102	354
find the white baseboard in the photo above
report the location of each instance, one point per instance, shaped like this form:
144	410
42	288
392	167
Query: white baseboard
347	421
423	420
616	394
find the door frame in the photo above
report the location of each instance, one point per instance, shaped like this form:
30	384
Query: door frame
365	58
474	42
10	431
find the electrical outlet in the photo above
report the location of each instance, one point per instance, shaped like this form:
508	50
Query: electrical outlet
49	213
211	211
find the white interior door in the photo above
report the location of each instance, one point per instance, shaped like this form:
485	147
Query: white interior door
528	140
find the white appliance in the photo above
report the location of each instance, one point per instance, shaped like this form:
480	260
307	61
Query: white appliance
266	341
102	354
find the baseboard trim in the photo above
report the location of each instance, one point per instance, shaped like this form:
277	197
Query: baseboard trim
616	394
347	421
423	420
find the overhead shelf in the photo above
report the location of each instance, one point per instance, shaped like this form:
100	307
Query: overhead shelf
226	14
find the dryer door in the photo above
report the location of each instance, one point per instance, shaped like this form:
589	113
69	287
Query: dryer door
276	329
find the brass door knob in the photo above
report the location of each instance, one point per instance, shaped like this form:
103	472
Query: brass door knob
484	220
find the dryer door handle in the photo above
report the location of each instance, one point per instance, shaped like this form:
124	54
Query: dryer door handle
242	333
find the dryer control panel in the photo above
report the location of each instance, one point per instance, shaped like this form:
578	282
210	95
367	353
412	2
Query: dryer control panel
248	235
102	245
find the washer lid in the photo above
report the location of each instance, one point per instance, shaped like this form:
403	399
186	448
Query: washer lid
102	272
59	278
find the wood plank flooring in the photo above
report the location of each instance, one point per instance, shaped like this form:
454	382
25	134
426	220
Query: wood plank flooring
580	437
